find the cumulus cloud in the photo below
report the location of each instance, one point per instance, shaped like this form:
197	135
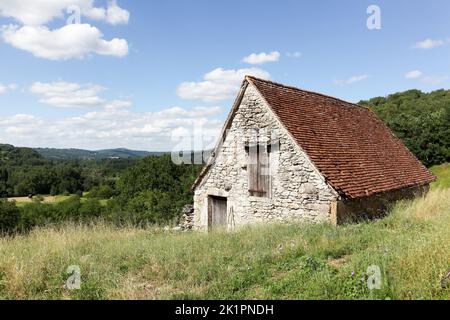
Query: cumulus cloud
428	44
352	80
31	33
73	95
70	41
218	84
4	88
413	74
115	14
260	58
426	79
111	128
36	13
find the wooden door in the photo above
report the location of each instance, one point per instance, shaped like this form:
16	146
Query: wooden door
217	212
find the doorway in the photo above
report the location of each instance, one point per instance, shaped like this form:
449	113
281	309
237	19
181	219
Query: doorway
217	212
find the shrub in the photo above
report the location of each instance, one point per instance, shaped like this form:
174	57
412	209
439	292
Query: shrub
90	210
69	209
9	216
152	206
153	191
38	198
54	191
37	215
102	192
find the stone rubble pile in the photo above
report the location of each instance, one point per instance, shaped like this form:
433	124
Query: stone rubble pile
187	218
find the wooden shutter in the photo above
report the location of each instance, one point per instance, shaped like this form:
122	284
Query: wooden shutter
263	171
259	170
253	169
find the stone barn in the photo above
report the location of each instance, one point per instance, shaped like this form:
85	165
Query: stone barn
287	154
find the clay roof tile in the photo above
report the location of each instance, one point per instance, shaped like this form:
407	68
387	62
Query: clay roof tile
353	149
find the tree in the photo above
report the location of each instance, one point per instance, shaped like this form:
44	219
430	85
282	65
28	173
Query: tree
154	190
421	120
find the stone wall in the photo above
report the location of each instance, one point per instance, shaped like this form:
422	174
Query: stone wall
298	191
186	222
373	207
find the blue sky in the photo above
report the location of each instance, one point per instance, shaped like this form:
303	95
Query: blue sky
139	74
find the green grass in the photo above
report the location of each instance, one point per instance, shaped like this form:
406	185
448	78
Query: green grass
411	248
61	198
443	173
22	201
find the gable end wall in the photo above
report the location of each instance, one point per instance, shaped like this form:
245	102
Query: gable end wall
299	192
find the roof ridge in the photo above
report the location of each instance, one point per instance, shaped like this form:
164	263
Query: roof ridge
250	78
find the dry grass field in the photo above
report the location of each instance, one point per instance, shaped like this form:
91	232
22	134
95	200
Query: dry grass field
47	199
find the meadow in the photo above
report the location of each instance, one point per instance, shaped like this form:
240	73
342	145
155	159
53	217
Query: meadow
410	248
22	201
443	173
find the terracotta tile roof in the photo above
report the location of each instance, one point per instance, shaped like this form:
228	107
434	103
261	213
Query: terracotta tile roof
354	150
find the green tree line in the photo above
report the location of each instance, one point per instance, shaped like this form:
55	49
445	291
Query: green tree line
421	120
23	172
152	191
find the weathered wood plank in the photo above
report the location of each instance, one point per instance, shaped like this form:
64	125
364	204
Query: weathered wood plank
217	216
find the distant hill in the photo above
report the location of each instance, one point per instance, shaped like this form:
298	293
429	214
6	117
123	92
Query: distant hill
13	156
80	154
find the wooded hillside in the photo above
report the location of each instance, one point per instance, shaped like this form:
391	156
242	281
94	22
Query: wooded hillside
421	120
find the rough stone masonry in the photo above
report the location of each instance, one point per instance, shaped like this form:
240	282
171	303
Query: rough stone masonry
298	192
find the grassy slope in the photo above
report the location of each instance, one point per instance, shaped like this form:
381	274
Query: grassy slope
412	248
443	173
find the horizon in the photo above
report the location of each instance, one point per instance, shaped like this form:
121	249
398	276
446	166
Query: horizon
171	151
132	77
108	149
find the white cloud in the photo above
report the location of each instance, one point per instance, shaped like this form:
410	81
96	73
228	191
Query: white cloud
114	128
67	42
4	88
218	84
428	44
117	104
295	54
115	14
415	74
18	119
357	79
260	58
70	41
352	80
194	112
73	95
37	13
434	80
426	79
